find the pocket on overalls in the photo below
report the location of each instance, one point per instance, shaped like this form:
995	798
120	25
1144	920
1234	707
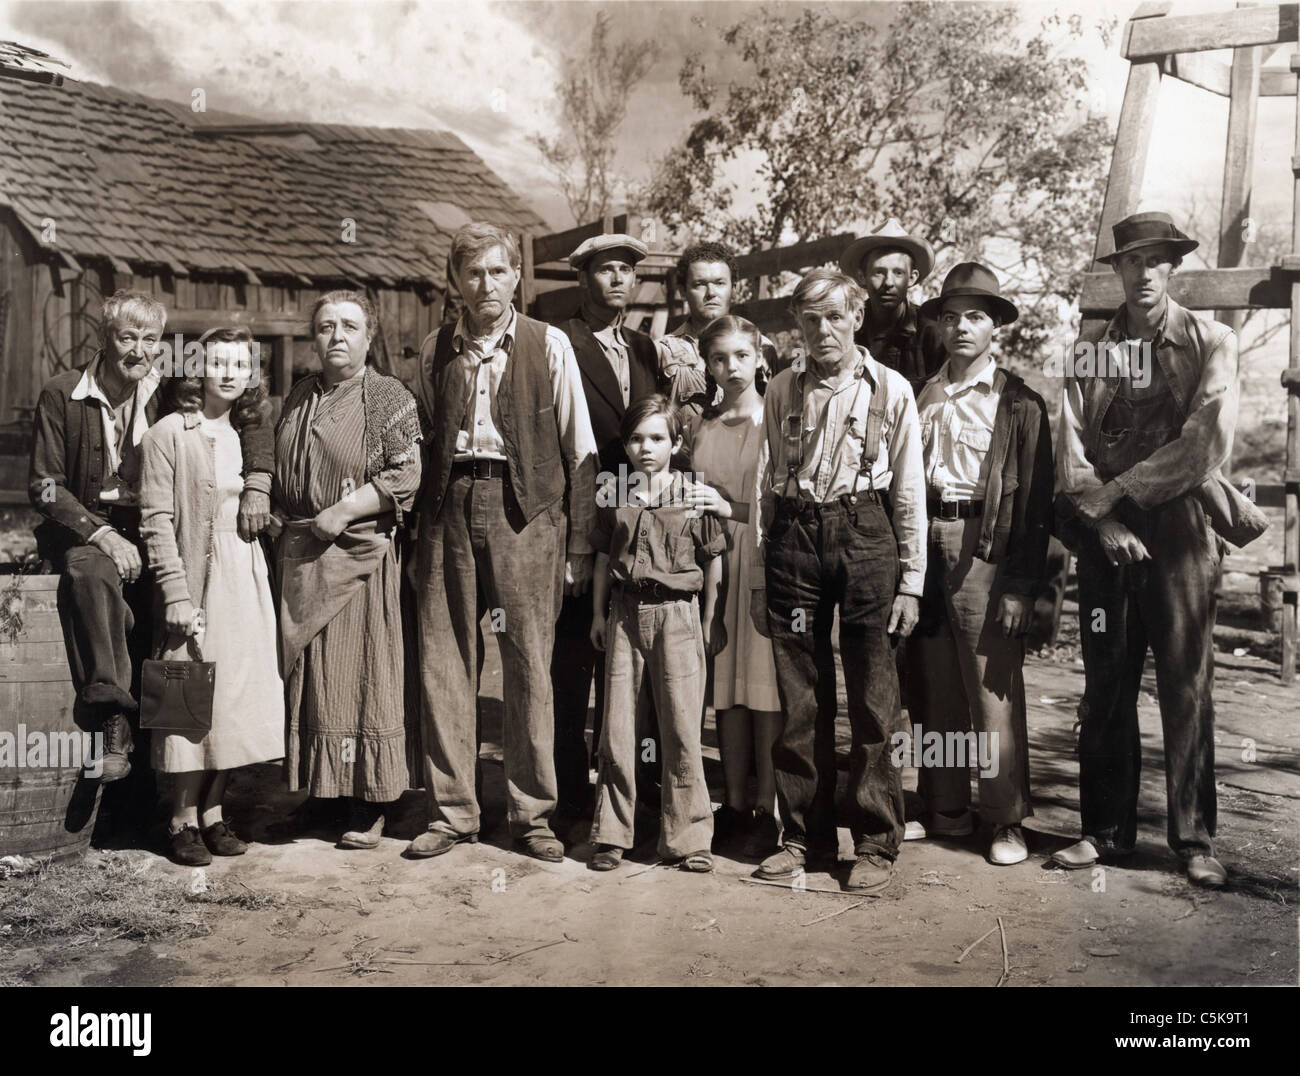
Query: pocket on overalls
681	552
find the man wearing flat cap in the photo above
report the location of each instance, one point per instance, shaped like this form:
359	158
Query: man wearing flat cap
618	366
987	451
887	263
1147	422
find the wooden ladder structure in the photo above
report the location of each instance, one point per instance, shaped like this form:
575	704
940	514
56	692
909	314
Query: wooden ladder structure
1158	44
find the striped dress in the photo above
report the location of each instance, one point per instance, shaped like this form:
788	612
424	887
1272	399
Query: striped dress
348	731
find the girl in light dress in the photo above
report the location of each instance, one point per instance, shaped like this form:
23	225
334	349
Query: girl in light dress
724	459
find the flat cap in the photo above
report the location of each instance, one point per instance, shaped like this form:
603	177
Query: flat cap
588	248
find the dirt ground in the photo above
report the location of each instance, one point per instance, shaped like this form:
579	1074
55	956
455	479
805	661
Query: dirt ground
484	915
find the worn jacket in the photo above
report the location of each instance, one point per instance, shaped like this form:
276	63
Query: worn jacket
910	345
1017	520
604	397
69	463
1198	357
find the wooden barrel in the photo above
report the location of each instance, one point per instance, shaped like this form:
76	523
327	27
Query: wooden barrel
47	805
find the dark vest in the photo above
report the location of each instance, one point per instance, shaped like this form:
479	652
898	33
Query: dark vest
526	406
601	388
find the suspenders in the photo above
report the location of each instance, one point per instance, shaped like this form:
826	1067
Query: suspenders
793	434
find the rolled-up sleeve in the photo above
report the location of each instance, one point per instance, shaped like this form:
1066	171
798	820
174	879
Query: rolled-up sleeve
1204	443
577	441
908	491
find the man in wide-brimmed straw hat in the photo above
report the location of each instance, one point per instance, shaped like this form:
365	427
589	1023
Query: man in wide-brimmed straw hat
988	467
1148	418
887	263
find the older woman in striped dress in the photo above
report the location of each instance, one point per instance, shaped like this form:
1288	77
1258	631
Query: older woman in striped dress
347	469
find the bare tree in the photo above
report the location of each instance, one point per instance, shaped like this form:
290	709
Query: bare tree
593	96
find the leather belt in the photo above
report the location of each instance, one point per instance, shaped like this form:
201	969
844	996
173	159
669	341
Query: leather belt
647	590
963	509
478	469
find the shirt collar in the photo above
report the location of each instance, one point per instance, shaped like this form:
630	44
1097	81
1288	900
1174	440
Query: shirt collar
1172	328
89	387
506	340
983	379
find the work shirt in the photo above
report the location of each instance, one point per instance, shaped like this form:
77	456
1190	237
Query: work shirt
834	422
957	428
1196	358
614	344
665	542
907	344
480	433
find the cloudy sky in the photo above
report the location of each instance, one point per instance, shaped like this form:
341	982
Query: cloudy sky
426	63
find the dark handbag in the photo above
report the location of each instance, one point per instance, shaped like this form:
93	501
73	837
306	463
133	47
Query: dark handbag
177	695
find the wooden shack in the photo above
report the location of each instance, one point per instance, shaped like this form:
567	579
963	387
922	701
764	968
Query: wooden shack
224	219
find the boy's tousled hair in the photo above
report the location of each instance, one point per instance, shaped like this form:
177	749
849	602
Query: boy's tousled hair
648	407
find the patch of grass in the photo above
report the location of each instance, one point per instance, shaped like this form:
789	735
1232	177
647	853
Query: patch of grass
107	896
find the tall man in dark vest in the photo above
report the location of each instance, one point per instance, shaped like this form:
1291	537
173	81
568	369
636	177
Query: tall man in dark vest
887	263
1146	424
509	443
618	366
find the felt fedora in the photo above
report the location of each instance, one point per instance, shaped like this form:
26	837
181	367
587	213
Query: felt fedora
589	248
892	235
971	278
1148	230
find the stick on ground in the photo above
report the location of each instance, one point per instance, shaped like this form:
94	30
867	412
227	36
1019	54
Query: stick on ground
965	952
1006	966
832	915
800	889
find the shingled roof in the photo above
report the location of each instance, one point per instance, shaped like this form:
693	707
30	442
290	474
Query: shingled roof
142	183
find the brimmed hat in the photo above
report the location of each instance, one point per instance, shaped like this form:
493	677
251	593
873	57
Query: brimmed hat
971	278
893	234
1148	230
589	248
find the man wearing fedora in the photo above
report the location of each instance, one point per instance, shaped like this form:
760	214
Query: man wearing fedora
887	263
988	467
1143	500
618	366
842	526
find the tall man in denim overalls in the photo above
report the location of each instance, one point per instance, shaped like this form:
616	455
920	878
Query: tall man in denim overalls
1142	438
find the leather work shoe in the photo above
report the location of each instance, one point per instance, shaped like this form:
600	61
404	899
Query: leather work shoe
221	840
117	746
784	864
188	849
1008	846
1079	856
1206	871
872	873
546	848
365	828
606	858
435	842
942	825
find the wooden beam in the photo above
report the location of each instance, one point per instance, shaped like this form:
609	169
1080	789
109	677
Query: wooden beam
559	245
1128	160
1276	82
1146	39
770	315
792	258
1239	167
259	323
1199	71
282	366
1249	288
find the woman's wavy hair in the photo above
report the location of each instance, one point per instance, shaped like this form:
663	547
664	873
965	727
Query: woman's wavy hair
727	325
250	409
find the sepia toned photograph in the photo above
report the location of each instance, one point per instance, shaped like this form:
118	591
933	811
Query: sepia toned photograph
576	494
